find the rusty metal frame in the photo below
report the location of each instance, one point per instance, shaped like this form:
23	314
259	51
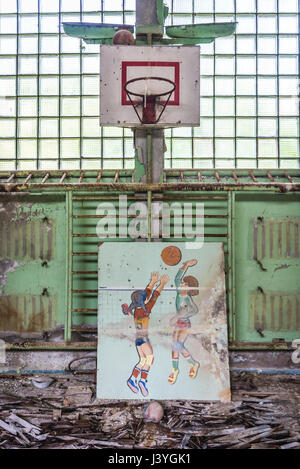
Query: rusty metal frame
174	180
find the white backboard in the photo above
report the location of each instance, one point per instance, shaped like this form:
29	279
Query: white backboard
180	65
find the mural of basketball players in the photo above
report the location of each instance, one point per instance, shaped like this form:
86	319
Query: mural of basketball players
142	302
185	309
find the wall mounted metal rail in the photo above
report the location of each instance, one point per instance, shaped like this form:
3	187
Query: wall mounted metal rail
123	180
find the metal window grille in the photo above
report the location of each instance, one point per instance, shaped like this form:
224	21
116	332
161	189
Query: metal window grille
49	85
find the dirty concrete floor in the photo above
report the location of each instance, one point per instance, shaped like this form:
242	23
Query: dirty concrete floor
264	413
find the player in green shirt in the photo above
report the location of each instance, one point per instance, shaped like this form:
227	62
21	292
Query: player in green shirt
185	309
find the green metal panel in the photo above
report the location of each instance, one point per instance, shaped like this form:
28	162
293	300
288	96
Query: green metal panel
162	11
199	31
32	265
267	267
94	30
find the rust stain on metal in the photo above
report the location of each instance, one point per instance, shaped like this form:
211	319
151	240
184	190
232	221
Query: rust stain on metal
255	239
264	310
26	313
256	320
283	266
273	311
275	238
22	239
252	176
41	239
271	221
49	241
288	238
24	226
20	236
32	240
296	240
280	312
263	241
156	187
289	314
280	237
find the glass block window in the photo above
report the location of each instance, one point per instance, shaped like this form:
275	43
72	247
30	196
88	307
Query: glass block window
249	87
49	87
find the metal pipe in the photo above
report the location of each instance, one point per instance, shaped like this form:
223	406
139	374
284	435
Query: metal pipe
85	253
149	216
127	172
85	272
84	291
69	266
205	235
158	217
229	267
271	371
143	197
233	251
149	157
155	187
249	346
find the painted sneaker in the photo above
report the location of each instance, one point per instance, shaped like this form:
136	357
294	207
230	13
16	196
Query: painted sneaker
132	384
143	387
125	309
173	376
194	370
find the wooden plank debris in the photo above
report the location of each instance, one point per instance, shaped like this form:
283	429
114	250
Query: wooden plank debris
67	417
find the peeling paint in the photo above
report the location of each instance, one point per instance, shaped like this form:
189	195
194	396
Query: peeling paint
6	266
283	266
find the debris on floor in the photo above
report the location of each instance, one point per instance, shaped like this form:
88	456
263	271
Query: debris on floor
42	382
264	413
154	412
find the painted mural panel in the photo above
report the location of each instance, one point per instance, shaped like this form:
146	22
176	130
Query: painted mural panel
162	322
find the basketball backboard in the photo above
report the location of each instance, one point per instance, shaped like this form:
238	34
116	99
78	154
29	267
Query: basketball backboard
131	75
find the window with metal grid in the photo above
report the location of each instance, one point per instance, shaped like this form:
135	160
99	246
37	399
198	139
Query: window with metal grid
49	87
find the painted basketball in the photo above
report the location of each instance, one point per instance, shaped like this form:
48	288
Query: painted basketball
171	255
123	38
191	282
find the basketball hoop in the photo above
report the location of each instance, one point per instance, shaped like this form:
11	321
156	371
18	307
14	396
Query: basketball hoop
148	115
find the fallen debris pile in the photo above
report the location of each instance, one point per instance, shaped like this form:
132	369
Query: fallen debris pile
68	416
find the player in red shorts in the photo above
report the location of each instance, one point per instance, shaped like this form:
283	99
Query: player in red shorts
141	307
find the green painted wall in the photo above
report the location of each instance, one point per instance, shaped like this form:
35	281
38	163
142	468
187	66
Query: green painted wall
32	262
267	267
260	232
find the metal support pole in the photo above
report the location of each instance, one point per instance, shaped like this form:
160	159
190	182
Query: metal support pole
69	265
232	247
149	143
231	266
149	202
149	157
